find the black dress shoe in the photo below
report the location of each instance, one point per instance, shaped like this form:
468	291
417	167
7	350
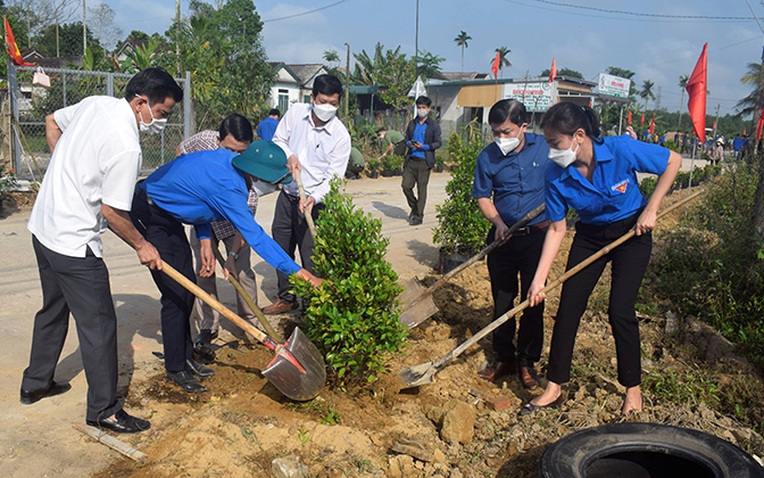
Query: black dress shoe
198	369
29	397
121	423
206	336
186	380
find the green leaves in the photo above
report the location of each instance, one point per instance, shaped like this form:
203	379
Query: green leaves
352	318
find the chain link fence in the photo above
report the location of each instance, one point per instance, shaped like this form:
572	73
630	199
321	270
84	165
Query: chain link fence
24	145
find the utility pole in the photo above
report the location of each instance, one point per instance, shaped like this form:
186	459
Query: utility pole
58	46
177	37
84	30
347	83
416	35
716	122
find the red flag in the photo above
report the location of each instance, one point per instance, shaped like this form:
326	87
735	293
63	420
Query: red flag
743	131
714	125
761	125
628	118
696	89
495	66
553	72
642	119
11	47
652	125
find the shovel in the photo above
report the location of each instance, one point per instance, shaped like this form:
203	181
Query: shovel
418	305
423	374
249	301
298	370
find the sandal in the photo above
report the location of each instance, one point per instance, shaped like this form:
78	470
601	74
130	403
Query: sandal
530	408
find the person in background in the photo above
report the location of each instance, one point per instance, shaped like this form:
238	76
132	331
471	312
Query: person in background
597	177
267	127
422	139
182	192
509	183
716	153
96	158
235	134
356	163
391	141
317	146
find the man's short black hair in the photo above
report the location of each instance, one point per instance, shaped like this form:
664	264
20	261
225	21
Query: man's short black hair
423	100
328	85
156	84
508	109
274	112
237	126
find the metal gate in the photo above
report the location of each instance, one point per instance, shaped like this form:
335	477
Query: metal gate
30	105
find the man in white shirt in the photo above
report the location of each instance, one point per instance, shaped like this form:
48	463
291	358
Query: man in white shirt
96	158
317	146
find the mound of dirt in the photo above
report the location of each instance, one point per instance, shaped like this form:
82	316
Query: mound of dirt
458	426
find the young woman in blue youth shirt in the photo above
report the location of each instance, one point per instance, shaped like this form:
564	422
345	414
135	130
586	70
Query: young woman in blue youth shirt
597	177
509	183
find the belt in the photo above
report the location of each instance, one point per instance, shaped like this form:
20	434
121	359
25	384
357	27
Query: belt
524	231
292	199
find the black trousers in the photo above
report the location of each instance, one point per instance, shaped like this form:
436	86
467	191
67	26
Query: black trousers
518	255
629	263
290	230
79	285
416	172
169	238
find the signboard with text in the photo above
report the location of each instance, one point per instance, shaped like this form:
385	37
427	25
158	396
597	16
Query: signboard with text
536	96
610	85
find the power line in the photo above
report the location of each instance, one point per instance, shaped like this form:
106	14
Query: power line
304	13
648	15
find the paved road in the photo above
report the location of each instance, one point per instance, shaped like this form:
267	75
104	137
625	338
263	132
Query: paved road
38	440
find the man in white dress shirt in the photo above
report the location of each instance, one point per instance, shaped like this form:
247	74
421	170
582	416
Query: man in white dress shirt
317	146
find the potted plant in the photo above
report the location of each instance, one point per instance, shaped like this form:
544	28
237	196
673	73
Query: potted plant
461	229
373	166
440	160
395	164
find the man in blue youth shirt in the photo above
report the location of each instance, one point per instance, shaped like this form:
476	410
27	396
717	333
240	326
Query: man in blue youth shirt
182	192
267	127
511	171
422	139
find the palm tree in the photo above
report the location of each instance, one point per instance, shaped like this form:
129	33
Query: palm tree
461	41
683	85
331	56
747	106
503	60
647	92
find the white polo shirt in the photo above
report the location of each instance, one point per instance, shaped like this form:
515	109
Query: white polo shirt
96	161
323	151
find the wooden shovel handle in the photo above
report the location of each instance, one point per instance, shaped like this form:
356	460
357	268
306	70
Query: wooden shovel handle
308	214
567	275
212	302
244	295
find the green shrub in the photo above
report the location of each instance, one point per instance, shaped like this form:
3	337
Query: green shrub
373	165
461	226
392	162
647	185
353	316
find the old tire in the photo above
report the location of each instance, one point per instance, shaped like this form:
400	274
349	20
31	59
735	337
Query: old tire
636	450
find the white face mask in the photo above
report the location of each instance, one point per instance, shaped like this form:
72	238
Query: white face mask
421	113
563	157
507	145
324	112
155	127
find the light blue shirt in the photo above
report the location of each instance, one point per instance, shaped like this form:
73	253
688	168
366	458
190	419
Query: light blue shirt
613	193
197	195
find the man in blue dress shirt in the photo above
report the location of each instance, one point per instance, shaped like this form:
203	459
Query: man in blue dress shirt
511	171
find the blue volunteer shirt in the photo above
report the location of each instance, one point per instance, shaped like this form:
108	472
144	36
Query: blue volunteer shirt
613	194
267	128
217	191
418	137
516	180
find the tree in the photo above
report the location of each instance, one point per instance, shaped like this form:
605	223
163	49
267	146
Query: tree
428	64
461	41
567	72
624	73
753	77
101	21
646	93
388	68
69	39
331	56
503	60
683	85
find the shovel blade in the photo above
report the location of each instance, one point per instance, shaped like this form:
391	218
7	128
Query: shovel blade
418	375
416	309
299	385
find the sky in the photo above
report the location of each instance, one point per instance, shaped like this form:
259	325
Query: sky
657	39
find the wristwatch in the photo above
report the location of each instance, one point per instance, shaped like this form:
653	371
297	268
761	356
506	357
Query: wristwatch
235	255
